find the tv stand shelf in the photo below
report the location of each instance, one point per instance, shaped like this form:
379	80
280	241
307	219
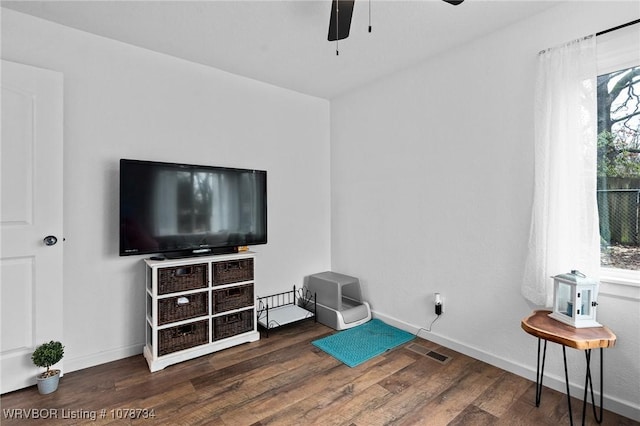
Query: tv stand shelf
198	305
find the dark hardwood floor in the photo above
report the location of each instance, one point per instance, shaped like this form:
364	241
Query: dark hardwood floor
285	380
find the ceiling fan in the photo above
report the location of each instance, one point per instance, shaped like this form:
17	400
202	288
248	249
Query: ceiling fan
340	21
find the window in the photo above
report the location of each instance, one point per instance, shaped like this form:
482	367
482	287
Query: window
619	149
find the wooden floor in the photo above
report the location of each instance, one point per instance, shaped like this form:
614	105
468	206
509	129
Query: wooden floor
285	380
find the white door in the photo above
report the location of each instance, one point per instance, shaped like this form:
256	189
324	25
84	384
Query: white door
30	210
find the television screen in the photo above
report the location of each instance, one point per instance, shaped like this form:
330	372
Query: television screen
182	210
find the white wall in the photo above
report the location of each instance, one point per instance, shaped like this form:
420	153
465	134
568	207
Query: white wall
432	173
125	102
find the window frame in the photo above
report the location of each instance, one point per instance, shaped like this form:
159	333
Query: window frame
618	50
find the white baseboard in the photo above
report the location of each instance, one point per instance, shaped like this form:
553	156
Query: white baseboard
74	364
624	408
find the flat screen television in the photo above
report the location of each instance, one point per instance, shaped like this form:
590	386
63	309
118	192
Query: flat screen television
181	210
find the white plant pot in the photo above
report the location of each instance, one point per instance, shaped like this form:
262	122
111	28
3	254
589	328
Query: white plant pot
48	384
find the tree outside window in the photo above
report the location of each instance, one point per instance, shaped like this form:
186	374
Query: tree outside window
619	168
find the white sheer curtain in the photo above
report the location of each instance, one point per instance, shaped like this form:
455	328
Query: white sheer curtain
564	231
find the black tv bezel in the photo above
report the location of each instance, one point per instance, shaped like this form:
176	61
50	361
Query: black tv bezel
190	252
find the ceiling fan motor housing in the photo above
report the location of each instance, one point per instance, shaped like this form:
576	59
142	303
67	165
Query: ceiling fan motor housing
340	20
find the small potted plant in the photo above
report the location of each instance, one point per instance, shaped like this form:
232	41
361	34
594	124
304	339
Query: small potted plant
45	356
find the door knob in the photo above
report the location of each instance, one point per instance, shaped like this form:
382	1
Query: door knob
50	240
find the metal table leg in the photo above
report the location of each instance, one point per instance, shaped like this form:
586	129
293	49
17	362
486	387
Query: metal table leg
540	372
566	378
588	384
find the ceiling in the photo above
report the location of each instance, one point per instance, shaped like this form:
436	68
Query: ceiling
285	42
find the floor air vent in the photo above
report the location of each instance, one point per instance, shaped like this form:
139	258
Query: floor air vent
442	359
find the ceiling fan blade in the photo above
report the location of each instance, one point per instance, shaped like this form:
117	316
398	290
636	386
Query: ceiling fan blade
340	22
454	2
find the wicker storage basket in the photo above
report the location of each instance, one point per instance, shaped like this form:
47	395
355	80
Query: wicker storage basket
181	337
184	307
182	278
232	324
227	299
232	271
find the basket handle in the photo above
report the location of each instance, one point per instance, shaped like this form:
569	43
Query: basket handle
234	292
232	318
232	264
187	270
182	301
184	330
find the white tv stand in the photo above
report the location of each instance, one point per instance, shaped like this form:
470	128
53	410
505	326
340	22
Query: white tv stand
198	305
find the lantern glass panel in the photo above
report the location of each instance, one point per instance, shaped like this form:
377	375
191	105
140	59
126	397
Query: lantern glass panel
585	297
564	299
